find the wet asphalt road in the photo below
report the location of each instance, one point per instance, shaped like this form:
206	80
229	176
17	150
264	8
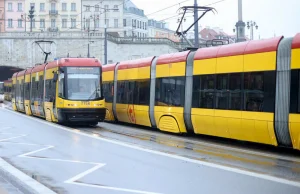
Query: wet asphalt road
69	162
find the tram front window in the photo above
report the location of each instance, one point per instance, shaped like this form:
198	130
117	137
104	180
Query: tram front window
83	83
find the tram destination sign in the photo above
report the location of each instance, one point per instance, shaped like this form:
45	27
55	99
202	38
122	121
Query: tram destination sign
83	70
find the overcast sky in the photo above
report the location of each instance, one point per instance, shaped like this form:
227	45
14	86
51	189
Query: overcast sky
279	17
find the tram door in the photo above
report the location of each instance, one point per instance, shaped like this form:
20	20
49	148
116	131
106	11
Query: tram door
131	93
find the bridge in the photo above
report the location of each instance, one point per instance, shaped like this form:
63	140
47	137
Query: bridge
19	50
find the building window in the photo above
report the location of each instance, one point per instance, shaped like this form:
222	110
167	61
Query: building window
116	21
124	22
64	23
10	23
19	6
116	8
106	7
53	6
32	5
9	7
87	8
125	34
53	23
42	23
64	6
73	6
97	8
42	6
138	24
97	23
33	23
20	23
107	22
73	23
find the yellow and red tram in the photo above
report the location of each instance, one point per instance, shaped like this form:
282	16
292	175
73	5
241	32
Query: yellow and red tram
246	91
68	90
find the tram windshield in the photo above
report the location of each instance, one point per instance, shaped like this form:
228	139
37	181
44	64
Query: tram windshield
83	83
1	88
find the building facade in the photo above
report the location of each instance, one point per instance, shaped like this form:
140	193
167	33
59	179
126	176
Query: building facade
158	29
54	15
2	16
14	10
135	22
96	14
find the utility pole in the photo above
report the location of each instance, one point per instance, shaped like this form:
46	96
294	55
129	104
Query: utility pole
196	24
105	39
31	16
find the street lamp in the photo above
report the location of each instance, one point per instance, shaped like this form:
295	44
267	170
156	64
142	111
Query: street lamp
23	17
250	25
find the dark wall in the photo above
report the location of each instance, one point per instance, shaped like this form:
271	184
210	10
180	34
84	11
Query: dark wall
7	72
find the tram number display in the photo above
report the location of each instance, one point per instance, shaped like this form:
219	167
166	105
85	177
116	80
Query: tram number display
85	103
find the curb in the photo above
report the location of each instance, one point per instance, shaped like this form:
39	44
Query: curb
21	181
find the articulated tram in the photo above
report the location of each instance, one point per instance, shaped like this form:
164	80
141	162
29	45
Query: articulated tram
68	90
248	91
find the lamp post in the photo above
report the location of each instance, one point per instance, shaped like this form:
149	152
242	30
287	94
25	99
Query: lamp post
23	17
251	25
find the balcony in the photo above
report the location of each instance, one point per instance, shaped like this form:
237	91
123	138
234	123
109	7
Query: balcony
52	1
53	12
55	29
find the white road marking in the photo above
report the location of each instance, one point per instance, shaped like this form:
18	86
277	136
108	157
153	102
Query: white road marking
75	178
114	188
208	164
12	138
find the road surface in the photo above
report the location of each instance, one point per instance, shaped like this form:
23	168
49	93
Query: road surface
69	160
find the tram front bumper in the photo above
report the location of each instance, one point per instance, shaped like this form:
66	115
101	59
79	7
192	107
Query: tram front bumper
81	115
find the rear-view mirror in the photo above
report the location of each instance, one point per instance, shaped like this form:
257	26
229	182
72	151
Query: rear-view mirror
55	77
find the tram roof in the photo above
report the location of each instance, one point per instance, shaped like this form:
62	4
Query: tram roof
172	58
109	67
242	48
74	62
21	73
296	41
28	71
145	62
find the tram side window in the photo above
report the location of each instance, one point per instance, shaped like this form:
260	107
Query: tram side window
204	91
27	91
162	92
222	93
108	91
170	91
295	92
130	92
61	85
235	89
142	92
50	90
22	90
259	91
121	92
